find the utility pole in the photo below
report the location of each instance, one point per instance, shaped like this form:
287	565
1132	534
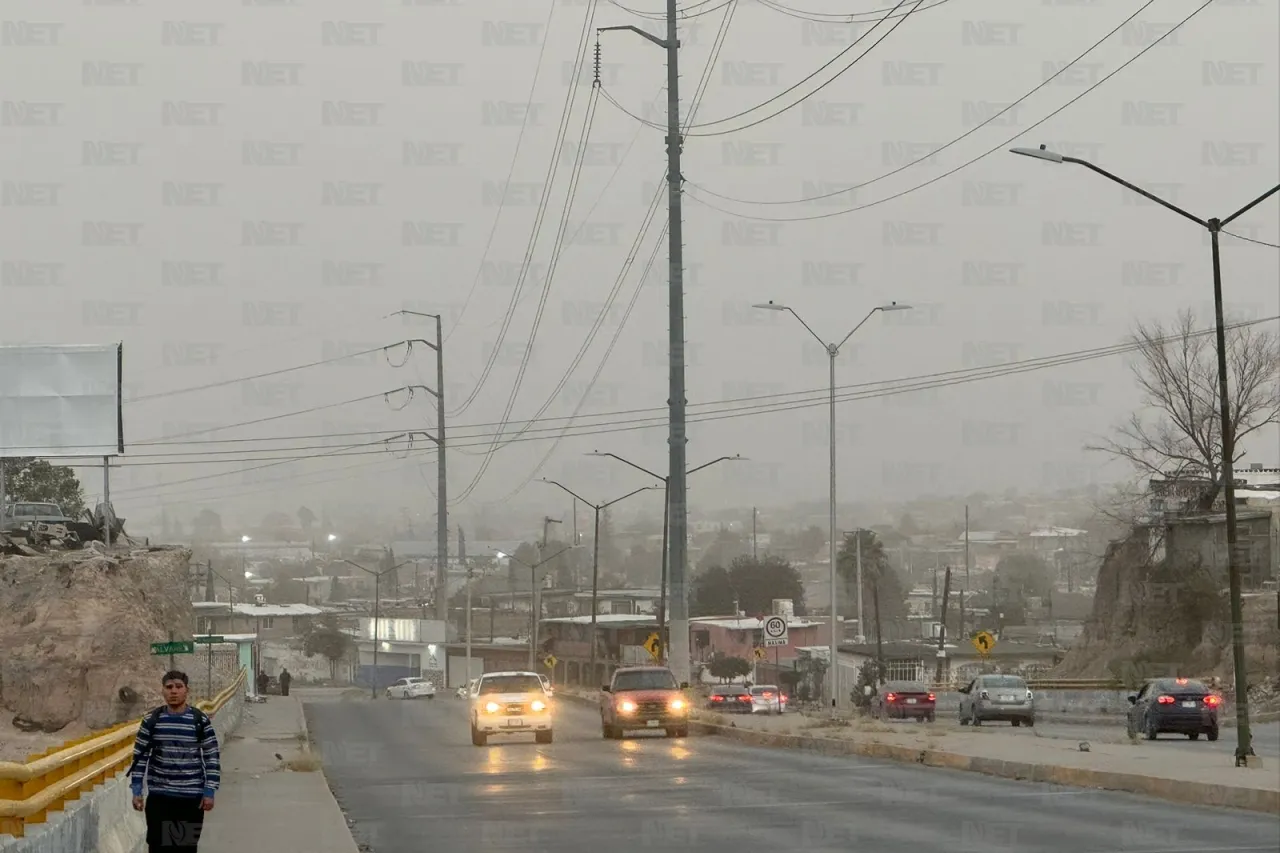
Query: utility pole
754	552
942	632
377	615
967	564
875	604
862	632
676	440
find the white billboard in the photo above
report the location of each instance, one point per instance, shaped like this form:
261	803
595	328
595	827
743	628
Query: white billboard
61	400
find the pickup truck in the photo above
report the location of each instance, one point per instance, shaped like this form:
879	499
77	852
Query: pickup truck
644	698
18	517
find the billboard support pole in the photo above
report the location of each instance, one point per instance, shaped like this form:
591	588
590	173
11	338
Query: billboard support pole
106	501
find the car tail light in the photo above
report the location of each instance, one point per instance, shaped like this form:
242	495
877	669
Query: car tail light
767	694
717	698
890	697
1213	701
933	697
783	699
1165	700
744	698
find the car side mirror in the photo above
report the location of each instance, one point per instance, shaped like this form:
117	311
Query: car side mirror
605	688
684	685
1133	699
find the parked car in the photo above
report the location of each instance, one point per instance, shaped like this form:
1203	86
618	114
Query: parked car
1004	698
644	697
730	699
506	703
18	517
904	700
412	688
465	690
767	699
1176	706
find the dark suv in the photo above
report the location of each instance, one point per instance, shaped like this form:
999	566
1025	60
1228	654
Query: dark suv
644	697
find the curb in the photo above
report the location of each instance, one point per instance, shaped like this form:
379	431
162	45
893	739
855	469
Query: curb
1173	790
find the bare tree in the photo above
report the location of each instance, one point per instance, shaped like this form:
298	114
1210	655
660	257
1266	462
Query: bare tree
1178	435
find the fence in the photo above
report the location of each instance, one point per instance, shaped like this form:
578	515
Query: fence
44	783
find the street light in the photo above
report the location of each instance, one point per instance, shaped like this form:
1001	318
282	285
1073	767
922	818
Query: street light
595	557
377	602
1244	737
666	525
534	599
833	351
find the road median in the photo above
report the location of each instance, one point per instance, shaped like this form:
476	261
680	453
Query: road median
1135	767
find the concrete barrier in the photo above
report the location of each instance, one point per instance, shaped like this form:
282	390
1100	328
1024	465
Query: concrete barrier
104	821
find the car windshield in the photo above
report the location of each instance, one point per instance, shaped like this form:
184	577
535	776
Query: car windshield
728	690
1188	686
904	687
1003	681
34	510
763	689
645	679
510	684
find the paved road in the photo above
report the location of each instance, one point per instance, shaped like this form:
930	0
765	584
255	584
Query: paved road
407	776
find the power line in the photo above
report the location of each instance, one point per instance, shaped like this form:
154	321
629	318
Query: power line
1002	146
511	170
835	17
1014	105
684	13
1252	240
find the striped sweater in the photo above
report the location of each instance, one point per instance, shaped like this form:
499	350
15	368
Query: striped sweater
170	759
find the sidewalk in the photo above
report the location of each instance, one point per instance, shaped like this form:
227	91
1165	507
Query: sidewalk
262	805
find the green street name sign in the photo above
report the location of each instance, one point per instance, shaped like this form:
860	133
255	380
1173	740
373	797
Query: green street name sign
210	640
178	647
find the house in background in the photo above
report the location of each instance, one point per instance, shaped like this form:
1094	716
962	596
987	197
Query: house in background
739	637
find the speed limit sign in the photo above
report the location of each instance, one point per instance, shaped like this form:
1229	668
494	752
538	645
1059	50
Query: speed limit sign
775	631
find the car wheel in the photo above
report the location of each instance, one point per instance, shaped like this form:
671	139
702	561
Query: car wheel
964	721
1194	736
1212	734
543	737
1150	729
431	695
478	738
1031	721
1129	729
930	718
608	731
974	718
1016	723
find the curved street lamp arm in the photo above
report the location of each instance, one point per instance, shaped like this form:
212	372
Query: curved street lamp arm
570	491
629	462
535	566
624	497
1137	189
712	462
809	328
857	327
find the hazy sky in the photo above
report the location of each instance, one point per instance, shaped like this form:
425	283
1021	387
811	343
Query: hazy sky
234	189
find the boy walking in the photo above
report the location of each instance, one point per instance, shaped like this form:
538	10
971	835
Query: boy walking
176	755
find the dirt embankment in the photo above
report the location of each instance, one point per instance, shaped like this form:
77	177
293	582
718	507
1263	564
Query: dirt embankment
75	635
1150	621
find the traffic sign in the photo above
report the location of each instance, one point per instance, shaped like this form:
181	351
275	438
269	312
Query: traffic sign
550	661
210	640
177	647
653	645
775	631
760	653
984	642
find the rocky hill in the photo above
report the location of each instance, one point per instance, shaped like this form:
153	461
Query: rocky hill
1150	621
75	635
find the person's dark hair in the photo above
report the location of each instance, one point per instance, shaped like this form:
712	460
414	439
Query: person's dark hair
175	675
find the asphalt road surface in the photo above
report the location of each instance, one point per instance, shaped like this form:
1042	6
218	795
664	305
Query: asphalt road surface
409	779
1266	737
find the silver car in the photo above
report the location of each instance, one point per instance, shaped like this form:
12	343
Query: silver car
767	699
1004	698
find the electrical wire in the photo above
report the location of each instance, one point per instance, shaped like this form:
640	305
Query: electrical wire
1012	368
684	13
833	17
1002	146
511	170
558	246
1014	105
552	169
1252	240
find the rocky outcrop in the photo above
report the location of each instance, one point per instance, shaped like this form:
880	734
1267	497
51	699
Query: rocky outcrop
76	629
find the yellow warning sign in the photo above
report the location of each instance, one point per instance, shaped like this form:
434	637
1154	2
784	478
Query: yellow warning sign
984	642
550	661
653	645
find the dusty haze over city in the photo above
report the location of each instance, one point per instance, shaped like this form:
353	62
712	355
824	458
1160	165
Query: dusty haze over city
255	189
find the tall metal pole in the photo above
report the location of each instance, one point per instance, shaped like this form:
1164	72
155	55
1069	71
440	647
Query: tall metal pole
754	553
680	657
106	501
834	668
377	604
533	612
595	590
662	591
442	486
862	632
466	679
967	564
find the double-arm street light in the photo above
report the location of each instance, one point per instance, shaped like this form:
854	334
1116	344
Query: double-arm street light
666	527
1244	738
595	557
833	352
377	606
534	599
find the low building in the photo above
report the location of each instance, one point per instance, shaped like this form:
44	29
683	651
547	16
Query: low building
740	637
267	621
620	641
389	649
574	602
1200	540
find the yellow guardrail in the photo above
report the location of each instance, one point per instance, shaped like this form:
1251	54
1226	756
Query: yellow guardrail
45	782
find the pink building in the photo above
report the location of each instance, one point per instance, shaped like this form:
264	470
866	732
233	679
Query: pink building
740	637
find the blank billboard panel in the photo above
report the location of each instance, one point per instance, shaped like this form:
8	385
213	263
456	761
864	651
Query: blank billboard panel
61	400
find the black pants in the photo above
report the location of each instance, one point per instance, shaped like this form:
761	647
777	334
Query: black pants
284	688
173	823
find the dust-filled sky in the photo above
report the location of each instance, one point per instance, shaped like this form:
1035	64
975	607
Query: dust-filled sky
242	189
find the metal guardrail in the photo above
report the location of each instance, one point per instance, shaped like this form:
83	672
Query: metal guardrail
47	781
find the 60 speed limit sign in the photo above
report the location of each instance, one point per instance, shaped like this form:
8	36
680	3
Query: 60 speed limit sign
775	631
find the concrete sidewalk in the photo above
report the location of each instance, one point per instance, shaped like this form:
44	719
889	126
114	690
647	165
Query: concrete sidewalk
263	805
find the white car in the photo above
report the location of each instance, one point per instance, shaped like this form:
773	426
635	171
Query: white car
506	703
412	688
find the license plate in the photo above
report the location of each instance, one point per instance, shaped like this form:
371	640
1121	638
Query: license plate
653	724
911	701
516	723
1188	704
1006	698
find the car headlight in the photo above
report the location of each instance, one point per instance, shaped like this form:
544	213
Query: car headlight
492	707
677	705
627	707
538	705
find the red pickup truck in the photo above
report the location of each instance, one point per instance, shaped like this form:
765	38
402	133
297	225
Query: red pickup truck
644	697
